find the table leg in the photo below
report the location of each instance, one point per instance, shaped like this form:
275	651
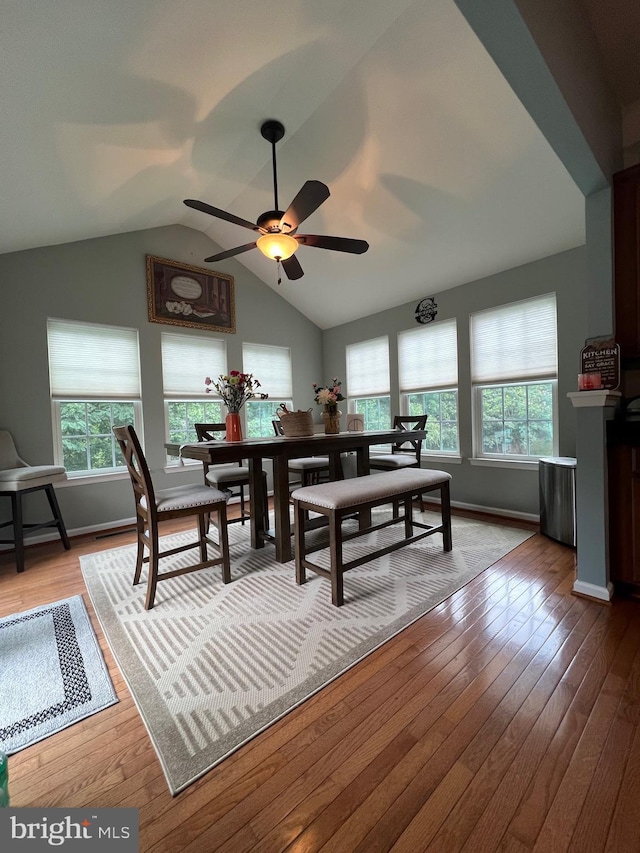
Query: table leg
281	508
362	463
257	504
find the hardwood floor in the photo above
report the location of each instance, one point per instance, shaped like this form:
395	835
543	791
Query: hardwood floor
506	719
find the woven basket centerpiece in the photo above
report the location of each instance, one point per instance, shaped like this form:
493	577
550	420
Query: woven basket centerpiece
296	423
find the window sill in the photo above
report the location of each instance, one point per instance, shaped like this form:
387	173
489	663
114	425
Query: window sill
88	479
521	464
186	465
452	459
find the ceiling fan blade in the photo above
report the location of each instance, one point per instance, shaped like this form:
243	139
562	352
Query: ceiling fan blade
338	244
203	207
230	253
292	268
309	199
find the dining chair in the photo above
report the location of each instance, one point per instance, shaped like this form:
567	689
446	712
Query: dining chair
307	468
153	507
230	476
405	453
18	478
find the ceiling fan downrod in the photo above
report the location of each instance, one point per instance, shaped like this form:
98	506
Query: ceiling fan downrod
273	131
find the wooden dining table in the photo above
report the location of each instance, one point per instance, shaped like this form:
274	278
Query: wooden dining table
280	449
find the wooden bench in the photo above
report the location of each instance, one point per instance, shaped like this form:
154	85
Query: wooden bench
342	498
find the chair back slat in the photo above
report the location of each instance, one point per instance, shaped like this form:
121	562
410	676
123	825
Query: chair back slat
137	467
409	422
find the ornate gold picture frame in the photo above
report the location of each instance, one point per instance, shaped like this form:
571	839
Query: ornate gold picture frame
182	295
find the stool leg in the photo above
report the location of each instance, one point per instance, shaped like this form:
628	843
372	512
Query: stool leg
55	509
18	530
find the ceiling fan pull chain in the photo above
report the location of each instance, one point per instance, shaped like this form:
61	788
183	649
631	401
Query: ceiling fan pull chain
279	268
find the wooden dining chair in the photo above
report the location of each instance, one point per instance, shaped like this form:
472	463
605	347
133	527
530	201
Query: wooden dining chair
154	507
405	453
308	468
230	476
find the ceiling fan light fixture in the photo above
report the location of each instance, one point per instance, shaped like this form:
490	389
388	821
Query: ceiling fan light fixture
277	246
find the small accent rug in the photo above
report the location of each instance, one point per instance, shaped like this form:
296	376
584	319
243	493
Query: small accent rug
52	672
212	665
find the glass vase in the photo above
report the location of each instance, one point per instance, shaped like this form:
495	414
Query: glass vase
331	417
233	427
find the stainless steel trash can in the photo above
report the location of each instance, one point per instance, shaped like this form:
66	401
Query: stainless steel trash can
558	498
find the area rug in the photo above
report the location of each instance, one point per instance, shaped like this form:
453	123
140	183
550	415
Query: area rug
52	672
212	665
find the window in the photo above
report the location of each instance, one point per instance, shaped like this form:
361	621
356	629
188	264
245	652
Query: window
368	382
428	376
186	362
94	374
271	366
514	367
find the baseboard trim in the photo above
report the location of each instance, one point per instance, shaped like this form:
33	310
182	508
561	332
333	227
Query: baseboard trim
592	590
490	510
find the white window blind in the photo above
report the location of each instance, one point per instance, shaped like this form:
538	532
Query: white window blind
515	342
368	368
428	357
187	360
90	361
271	366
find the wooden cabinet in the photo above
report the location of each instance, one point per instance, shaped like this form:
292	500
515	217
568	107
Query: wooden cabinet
626	248
624	506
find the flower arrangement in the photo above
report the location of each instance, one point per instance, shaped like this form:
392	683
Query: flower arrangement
235	389
330	394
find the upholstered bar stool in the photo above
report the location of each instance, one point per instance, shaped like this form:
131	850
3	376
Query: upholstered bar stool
18	478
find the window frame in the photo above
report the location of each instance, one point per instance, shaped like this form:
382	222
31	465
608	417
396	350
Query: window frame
481	456
438	337
64	388
501	357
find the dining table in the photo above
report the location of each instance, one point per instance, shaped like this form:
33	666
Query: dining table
280	449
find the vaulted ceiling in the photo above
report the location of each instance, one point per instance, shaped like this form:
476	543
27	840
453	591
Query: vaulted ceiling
114	112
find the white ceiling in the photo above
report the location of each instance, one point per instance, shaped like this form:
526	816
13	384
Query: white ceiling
114	112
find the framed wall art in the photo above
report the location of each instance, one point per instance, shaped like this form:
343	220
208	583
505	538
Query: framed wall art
181	295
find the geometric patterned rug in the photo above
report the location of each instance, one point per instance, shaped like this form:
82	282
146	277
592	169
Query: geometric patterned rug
52	672
214	664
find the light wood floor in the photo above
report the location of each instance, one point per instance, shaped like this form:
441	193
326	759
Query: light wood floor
506	719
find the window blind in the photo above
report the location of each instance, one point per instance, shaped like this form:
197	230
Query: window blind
515	342
368	368
186	362
271	366
428	357
89	361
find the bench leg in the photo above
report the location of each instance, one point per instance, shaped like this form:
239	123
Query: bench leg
299	526
445	507
408	517
335	548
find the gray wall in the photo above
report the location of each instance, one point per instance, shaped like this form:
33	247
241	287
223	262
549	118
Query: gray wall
507	489
104	281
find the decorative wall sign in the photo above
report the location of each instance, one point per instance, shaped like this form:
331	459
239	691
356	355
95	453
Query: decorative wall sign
426	310
182	295
602	355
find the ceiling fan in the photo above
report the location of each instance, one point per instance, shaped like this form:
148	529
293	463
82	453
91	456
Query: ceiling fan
278	229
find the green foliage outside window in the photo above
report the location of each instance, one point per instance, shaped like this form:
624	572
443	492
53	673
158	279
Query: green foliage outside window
88	444
442	422
517	420
259	417
376	411
184	414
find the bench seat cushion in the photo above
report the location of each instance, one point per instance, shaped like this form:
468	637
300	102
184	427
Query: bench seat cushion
359	490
